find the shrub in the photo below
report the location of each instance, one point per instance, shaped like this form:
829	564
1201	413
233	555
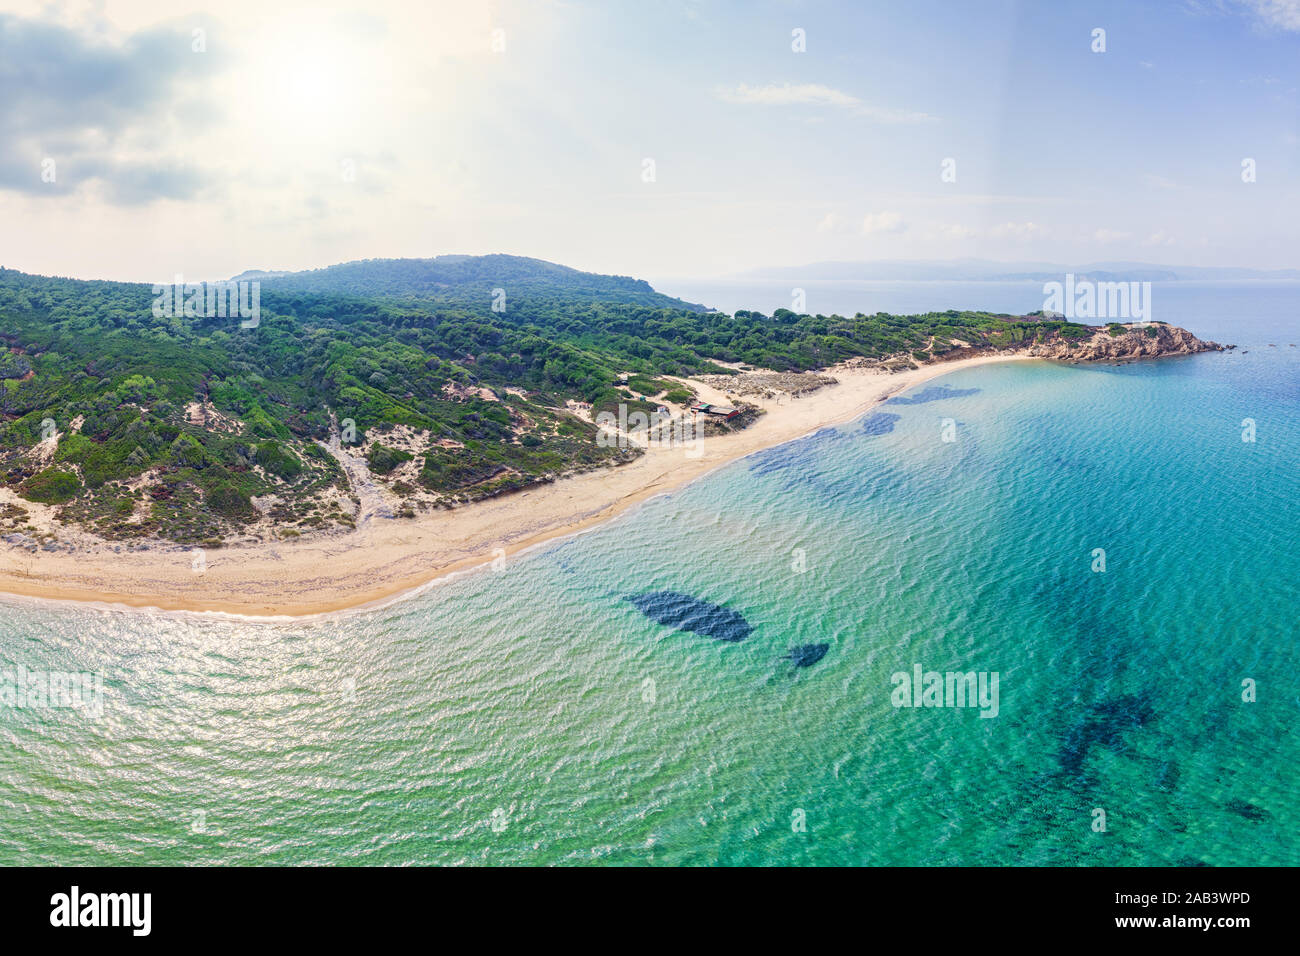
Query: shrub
383	459
53	486
229	501
186	452
443	472
75	448
278	460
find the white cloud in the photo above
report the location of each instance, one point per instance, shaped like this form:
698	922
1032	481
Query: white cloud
875	223
956	231
785	94
1283	14
815	94
831	222
1017	230
1159	238
1111	235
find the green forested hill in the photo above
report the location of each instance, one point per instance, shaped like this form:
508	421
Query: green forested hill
171	426
469	279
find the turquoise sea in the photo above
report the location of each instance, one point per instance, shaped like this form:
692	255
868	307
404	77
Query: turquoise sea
536	715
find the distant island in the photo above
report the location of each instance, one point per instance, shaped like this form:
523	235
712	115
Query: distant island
389	394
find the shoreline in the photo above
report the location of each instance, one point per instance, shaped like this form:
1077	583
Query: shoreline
387	560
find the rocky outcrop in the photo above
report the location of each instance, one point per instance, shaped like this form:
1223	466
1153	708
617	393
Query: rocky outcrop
1137	341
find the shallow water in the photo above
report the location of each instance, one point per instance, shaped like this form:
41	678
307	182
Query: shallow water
535	714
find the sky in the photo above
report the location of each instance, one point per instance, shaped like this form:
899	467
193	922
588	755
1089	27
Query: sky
671	138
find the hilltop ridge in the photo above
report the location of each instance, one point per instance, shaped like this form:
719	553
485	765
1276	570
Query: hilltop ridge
453	275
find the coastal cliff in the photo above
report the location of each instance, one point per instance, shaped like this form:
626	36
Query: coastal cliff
1114	342
1136	341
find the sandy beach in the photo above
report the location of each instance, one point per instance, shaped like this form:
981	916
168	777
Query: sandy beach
385	557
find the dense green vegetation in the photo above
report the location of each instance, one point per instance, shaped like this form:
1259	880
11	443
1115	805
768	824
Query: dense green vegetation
173	426
383	459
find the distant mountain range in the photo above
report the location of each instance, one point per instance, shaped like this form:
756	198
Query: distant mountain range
986	270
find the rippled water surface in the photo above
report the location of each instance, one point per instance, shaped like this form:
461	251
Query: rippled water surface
644	693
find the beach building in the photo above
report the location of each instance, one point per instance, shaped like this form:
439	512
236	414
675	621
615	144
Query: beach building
722	411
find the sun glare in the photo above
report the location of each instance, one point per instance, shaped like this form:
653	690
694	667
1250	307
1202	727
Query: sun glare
309	87
309	84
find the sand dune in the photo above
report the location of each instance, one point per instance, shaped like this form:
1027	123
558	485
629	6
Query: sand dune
384	558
